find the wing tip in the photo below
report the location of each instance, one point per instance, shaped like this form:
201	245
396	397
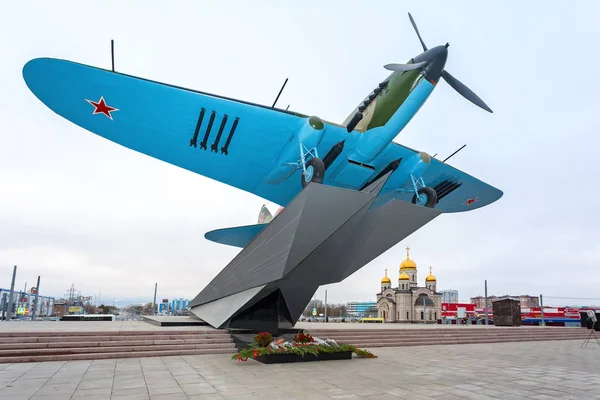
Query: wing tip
33	65
34	71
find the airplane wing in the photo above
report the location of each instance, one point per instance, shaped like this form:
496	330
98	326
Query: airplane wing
457	190
228	140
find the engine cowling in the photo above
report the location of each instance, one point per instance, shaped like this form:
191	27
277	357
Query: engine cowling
311	133
416	165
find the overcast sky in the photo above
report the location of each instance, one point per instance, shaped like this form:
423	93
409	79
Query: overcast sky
76	208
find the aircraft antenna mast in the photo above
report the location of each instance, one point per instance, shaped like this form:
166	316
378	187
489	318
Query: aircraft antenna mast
279	94
112	54
463	146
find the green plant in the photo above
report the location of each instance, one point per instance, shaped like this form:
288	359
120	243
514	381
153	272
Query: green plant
300	349
364	353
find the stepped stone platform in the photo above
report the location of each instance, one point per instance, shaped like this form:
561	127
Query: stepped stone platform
91	340
173	321
397	335
37	341
85	326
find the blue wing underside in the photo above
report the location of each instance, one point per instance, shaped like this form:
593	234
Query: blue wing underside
161	121
227	140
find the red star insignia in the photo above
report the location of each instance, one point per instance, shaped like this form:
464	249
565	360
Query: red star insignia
102	108
471	201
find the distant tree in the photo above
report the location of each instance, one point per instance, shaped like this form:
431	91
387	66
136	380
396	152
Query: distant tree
336	310
315	303
147	309
137	309
91	309
333	309
102	309
112	310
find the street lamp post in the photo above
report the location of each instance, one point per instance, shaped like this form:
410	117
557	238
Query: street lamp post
9	313
35	302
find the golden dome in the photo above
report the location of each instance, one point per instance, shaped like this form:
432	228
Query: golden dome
408	264
385	279
430	278
404	276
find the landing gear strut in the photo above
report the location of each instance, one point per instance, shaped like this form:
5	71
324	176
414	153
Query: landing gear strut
424	196
313	170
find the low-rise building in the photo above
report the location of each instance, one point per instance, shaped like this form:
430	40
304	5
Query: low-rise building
359	309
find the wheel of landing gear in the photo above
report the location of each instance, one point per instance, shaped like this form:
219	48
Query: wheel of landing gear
315	171
426	197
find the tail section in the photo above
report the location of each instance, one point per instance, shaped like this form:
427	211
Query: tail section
238	236
264	216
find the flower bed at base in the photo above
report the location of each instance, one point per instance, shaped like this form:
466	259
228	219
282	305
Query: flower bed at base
304	348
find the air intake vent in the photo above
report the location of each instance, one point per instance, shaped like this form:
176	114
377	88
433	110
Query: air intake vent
445	187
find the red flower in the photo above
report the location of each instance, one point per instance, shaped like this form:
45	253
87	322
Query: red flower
263	339
303	338
255	353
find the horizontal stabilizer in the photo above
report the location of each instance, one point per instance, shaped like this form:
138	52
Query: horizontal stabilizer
238	236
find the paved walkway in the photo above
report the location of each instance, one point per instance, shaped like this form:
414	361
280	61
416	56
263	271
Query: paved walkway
526	370
65	326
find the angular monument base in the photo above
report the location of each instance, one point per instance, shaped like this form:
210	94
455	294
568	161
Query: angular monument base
268	314
323	236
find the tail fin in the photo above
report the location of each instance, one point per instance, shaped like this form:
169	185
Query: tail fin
264	216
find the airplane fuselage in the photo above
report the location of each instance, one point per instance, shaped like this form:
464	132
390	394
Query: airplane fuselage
369	143
390	112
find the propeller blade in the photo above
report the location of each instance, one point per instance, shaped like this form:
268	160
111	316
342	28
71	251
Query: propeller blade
464	91
412	21
405	67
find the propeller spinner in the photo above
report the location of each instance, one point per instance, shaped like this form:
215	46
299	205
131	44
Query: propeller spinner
432	62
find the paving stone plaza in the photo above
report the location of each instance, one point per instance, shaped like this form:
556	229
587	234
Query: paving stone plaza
524	370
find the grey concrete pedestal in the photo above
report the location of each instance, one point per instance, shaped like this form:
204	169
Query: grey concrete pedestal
323	236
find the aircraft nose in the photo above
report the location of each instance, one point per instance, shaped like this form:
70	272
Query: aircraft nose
436	63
